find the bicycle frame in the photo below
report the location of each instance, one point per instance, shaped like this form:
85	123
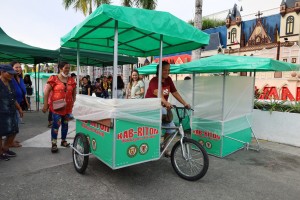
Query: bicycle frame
179	131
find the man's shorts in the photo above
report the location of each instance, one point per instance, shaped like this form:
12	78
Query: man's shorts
171	124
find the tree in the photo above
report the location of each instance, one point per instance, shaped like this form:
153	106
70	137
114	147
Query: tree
146	4
209	23
196	54
85	6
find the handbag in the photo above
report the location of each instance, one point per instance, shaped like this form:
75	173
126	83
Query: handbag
29	91
59	104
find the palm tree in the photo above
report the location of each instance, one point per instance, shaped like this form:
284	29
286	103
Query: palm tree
146	4
196	54
86	6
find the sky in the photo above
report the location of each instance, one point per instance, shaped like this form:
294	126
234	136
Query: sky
42	23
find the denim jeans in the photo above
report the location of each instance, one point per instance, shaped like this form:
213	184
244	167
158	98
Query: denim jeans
58	121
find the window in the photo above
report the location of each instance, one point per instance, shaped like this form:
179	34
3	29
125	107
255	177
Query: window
233	35
284	60
228	35
278	75
290	25
294	60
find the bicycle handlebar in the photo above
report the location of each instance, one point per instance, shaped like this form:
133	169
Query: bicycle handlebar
174	106
183	115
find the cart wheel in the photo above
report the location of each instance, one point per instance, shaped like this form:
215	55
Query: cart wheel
195	165
81	145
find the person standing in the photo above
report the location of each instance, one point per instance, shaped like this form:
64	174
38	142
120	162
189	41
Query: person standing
86	87
63	96
28	84
136	87
120	87
104	87
8	111
20	89
98	90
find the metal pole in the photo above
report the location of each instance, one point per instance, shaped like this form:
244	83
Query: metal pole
115	71
223	110
160	66
193	97
254	76
35	85
78	67
38	105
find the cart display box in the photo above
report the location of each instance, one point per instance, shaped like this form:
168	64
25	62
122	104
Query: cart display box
129	136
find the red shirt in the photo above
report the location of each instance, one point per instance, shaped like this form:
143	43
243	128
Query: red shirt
167	87
60	91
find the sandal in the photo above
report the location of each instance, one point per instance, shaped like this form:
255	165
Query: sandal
54	148
167	154
15	145
64	143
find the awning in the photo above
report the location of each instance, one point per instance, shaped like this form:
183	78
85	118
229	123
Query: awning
230	63
139	32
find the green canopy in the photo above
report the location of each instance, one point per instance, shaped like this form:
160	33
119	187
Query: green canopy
11	49
151	69
92	58
41	75
139	32
229	63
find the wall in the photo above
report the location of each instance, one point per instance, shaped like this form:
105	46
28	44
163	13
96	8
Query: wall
278	127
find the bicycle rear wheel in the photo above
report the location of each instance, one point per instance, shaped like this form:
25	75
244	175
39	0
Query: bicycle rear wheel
196	163
81	145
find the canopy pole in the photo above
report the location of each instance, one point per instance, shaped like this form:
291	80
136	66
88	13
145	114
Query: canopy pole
193	97
38	105
223	110
115	71
252	108
78	67
160	66
35	85
253	96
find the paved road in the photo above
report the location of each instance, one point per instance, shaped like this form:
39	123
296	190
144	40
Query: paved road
272	173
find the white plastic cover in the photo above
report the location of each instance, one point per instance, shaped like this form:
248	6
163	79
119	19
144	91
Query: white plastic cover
238	96
91	108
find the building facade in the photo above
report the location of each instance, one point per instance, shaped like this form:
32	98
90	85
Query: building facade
275	36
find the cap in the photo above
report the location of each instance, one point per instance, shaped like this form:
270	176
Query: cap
7	68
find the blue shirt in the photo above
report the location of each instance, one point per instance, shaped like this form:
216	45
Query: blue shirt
20	89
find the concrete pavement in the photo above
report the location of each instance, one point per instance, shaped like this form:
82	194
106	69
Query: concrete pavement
36	173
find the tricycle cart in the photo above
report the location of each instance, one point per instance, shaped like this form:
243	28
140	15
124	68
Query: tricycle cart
130	137
132	133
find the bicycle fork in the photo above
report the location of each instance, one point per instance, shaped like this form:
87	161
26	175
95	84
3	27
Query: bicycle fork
185	151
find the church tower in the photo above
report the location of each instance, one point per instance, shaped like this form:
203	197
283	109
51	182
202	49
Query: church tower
233	24
290	21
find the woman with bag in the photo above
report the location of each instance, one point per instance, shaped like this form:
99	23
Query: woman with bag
63	96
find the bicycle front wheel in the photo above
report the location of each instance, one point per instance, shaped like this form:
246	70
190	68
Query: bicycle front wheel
189	160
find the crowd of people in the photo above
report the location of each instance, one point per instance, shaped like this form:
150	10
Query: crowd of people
60	95
103	86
